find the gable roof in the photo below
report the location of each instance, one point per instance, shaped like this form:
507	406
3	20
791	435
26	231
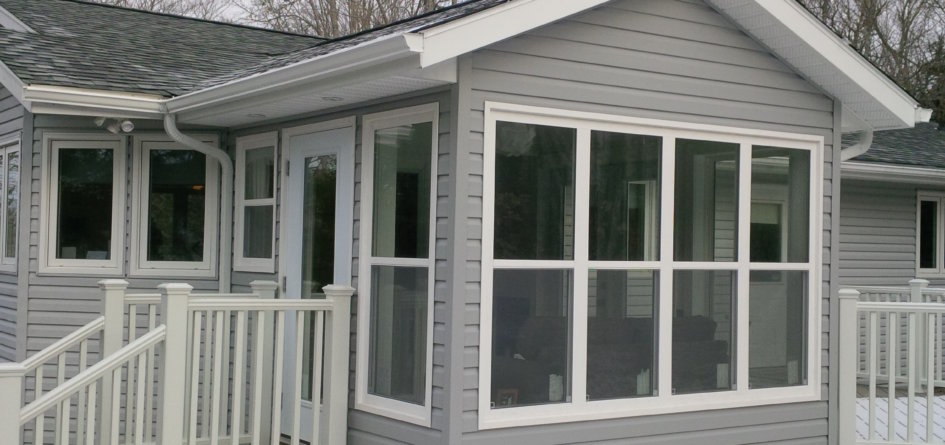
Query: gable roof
407	56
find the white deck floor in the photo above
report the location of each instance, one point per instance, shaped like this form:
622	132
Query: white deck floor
901	419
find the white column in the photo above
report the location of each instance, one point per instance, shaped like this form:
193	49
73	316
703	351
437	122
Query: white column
173	381
11	386
113	308
847	358
336	377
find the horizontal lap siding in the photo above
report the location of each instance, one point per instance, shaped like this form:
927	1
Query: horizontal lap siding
673	60
11	126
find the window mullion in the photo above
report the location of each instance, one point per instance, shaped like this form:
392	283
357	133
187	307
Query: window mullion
665	307
742	275
582	193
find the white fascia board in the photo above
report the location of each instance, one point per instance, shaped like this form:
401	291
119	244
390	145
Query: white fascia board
816	35
12	83
494	24
372	53
11	22
78	101
873	171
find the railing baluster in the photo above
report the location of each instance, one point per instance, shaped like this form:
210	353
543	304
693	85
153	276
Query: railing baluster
317	364
80	407
62	412
114	415
258	377
90	419
238	366
911	376
39	425
297	385
277	377
194	377
217	378
207	370
140	396
873	349
149	376
929	344
892	343
130	383
225	377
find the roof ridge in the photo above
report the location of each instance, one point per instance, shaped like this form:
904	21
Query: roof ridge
195	19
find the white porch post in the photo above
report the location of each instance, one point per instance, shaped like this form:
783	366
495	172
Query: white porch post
11	386
336	378
848	364
266	291
916	286
174	305
113	308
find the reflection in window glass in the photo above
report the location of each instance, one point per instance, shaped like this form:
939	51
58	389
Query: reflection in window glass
780	214
398	346
257	231
706	218
12	203
625	191
84	228
778	329
176	205
534	192
928	226
621	333
260	168
703	331
531	337
402	191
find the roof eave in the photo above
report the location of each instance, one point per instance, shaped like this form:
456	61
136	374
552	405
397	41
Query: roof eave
84	102
877	171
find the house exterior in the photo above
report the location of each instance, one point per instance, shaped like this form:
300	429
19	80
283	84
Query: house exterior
567	220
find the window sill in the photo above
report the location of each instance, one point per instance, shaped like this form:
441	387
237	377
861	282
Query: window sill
172	272
393	409
94	271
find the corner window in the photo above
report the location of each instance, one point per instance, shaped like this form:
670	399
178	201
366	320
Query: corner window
255	217
83	213
929	234
175	221
10	193
637	267
397	257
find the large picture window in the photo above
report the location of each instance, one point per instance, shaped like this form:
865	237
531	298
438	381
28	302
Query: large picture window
635	267
395	298
83	215
175	225
10	195
254	240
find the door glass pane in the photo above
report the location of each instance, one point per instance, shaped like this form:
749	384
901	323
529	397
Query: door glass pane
625	197
402	191
13	203
176	205
260	169
534	192
531	337
705	226
84	228
778	329
780	214
257	231
621	333
398	346
318	244
703	331
928	214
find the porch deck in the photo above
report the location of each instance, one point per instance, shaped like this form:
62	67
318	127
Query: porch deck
900	417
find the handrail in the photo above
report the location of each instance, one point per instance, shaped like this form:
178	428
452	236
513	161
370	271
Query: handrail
267	305
882	289
64	344
901	307
93	373
143	299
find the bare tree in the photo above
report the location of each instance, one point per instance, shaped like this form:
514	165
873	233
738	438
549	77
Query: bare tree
202	9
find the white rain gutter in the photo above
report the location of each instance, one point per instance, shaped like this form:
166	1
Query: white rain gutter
226	191
860	147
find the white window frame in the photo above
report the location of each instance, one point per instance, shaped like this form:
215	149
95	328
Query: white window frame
140	265
579	408
364	401
6	148
49	211
939	270
244	144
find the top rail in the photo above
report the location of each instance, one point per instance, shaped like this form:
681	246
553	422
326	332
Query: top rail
891	306
64	344
222	304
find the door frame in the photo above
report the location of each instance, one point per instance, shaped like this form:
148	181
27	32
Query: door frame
344	211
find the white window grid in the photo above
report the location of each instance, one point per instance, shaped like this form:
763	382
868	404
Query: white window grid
244	144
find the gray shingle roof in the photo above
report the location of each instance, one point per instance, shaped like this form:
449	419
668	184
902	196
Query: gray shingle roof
922	146
88	45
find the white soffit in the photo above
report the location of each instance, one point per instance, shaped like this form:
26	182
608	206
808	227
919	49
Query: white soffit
808	46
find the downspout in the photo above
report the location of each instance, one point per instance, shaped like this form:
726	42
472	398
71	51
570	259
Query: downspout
226	194
860	147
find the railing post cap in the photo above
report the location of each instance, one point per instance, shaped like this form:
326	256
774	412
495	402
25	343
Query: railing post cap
338	290
849	293
918	282
264	285
173	288
12	370
113	284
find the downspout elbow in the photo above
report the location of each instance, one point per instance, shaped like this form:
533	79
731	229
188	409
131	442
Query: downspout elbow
860	147
226	193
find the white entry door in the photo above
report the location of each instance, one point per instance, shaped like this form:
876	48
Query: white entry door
317	237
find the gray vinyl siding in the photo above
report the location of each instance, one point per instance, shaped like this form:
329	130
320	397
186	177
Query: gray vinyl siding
878	233
673	60
11	126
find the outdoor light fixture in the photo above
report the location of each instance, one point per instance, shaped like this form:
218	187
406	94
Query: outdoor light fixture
127	126
113	126
99	121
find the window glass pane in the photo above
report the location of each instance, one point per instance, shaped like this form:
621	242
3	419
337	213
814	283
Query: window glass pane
534	192
706	221
398	346
318	223
402	191
621	333
257	232
176	205
928	215
260	167
13	203
84	228
531	337
778	329
625	197
780	212
703	331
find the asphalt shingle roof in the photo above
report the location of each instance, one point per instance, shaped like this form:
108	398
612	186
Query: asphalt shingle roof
922	146
87	45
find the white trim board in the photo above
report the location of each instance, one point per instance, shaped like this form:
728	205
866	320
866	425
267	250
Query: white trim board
241	263
12	22
873	171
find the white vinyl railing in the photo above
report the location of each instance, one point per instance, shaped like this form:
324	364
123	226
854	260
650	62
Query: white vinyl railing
891	347
193	368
